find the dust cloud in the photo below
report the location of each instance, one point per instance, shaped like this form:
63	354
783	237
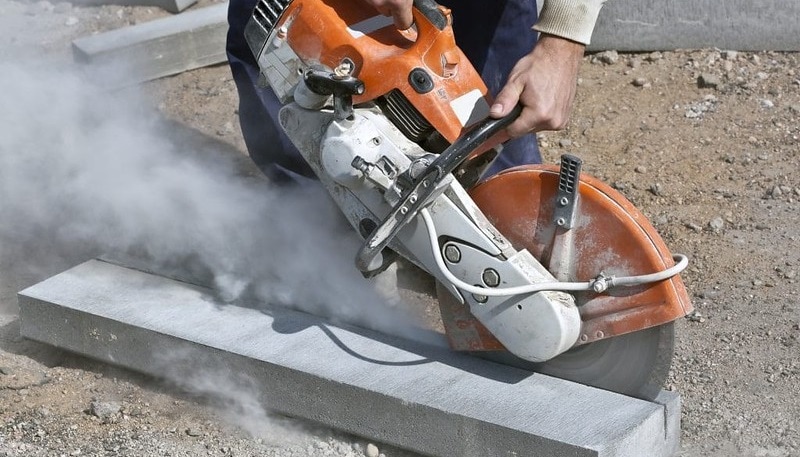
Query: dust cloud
85	172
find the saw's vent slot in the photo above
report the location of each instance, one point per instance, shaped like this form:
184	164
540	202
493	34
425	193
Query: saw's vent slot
405	116
568	176
267	13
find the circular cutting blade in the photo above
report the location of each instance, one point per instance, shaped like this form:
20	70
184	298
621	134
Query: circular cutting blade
634	364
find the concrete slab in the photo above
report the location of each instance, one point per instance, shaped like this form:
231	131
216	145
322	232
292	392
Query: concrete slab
173	6
154	49
658	25
412	395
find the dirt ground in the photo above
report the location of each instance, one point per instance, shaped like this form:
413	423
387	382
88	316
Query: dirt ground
705	142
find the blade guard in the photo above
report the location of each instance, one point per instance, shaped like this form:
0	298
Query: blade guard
608	235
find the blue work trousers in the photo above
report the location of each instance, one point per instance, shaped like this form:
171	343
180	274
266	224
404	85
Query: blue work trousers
494	34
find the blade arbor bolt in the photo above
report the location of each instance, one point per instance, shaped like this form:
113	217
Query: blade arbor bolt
491	277
452	254
480	298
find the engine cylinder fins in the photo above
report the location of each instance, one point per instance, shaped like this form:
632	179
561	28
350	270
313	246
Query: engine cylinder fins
404	116
267	13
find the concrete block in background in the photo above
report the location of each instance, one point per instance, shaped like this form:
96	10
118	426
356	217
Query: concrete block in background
173	6
413	395
657	25
154	49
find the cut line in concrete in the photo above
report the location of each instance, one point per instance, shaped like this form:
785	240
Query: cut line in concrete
416	396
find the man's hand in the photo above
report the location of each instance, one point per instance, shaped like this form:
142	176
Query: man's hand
399	10
544	82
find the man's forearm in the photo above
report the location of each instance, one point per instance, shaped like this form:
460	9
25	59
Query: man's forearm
570	19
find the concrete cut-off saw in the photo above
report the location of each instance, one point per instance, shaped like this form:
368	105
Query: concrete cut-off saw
537	266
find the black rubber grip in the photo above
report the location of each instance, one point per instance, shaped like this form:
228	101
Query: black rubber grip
430	9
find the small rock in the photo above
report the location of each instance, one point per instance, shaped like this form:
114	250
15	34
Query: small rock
656	189
640	169
729	55
654	56
5	371
661	219
694	227
766	103
695	316
194	431
372	450
106	411
708	81
226	129
716	224
565	142
640	82
607	57
709	294
794	109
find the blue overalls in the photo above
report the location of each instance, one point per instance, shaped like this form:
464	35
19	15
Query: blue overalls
494	34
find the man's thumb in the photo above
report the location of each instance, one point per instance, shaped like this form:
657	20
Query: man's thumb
504	102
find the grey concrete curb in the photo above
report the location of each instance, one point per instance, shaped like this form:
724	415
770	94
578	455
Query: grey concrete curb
658	25
154	49
173	6
416	396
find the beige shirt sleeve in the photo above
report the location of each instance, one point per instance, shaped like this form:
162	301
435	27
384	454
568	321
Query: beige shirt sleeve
570	19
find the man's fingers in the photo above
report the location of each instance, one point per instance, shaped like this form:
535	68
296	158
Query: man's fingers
399	10
403	18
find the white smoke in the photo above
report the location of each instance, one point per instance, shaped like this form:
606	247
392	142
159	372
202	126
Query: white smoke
85	172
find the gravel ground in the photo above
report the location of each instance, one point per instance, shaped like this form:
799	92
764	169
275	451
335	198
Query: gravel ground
705	142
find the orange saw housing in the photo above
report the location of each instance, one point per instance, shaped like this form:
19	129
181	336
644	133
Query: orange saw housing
420	72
